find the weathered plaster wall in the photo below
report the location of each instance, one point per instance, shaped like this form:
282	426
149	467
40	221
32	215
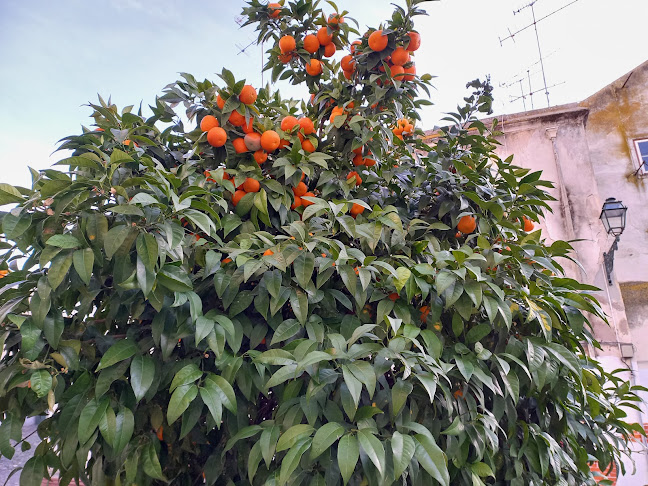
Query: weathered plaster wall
619	115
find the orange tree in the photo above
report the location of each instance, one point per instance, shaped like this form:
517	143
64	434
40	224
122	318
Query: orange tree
283	292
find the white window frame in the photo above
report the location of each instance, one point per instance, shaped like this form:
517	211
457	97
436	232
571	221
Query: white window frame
642	166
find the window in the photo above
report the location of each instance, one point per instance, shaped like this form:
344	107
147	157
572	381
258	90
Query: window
642	154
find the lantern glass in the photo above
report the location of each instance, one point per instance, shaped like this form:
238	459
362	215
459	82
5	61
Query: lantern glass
613	216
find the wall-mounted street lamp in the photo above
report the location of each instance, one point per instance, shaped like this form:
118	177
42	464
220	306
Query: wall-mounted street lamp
613	217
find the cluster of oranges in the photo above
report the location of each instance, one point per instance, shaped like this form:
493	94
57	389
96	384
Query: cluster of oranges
260	144
403	128
320	43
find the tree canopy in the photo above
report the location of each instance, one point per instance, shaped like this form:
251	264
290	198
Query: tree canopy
247	289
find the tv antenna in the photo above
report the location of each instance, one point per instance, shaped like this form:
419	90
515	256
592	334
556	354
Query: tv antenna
534	24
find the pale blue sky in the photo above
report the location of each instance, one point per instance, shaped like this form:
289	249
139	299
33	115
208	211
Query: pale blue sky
56	56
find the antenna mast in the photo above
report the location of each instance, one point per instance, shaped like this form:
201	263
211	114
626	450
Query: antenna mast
534	24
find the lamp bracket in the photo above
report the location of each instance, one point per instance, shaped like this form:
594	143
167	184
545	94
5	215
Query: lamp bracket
608	259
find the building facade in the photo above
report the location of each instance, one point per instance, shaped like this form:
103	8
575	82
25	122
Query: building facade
594	150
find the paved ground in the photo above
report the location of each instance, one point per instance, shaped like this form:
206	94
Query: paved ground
19	458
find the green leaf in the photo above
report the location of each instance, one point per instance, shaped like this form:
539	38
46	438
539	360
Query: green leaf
151	463
354	385
33	472
180	400
347	456
275	357
373	448
83	263
142	373
402	276
119	351
147	250
477	333
119	156
127	209
292	459
90	417
304	265
184	376
41	382
203	327
481	469
211	396
365	373
63	241
325	437
403	448
286	330
59	269
284	373
53	328
125	424
293	435
114	239
225	391
174	278
108	426
432	458
400	391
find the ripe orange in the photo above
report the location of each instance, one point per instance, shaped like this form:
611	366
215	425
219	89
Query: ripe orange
253	141
285	58
220	102
425	311
378	41
353	174
358	160
287	44
249	126
300	189
397	71
314	67
260	156
160	433
238	195
304	201
288	123
239	145
274	10
528	224
297	203
283	143
393	296
251	185
270	141
248	95
369	162
353	46
347	63
335	19
467	224
226	261
400	56
347	74
208	122
236	119
268	252
226	176
410	72
311	44
306	125
356	209
308	146
357	150
324	37
329	50
415	41
337	110
216	137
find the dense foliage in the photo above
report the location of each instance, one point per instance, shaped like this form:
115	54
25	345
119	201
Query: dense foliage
174	328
